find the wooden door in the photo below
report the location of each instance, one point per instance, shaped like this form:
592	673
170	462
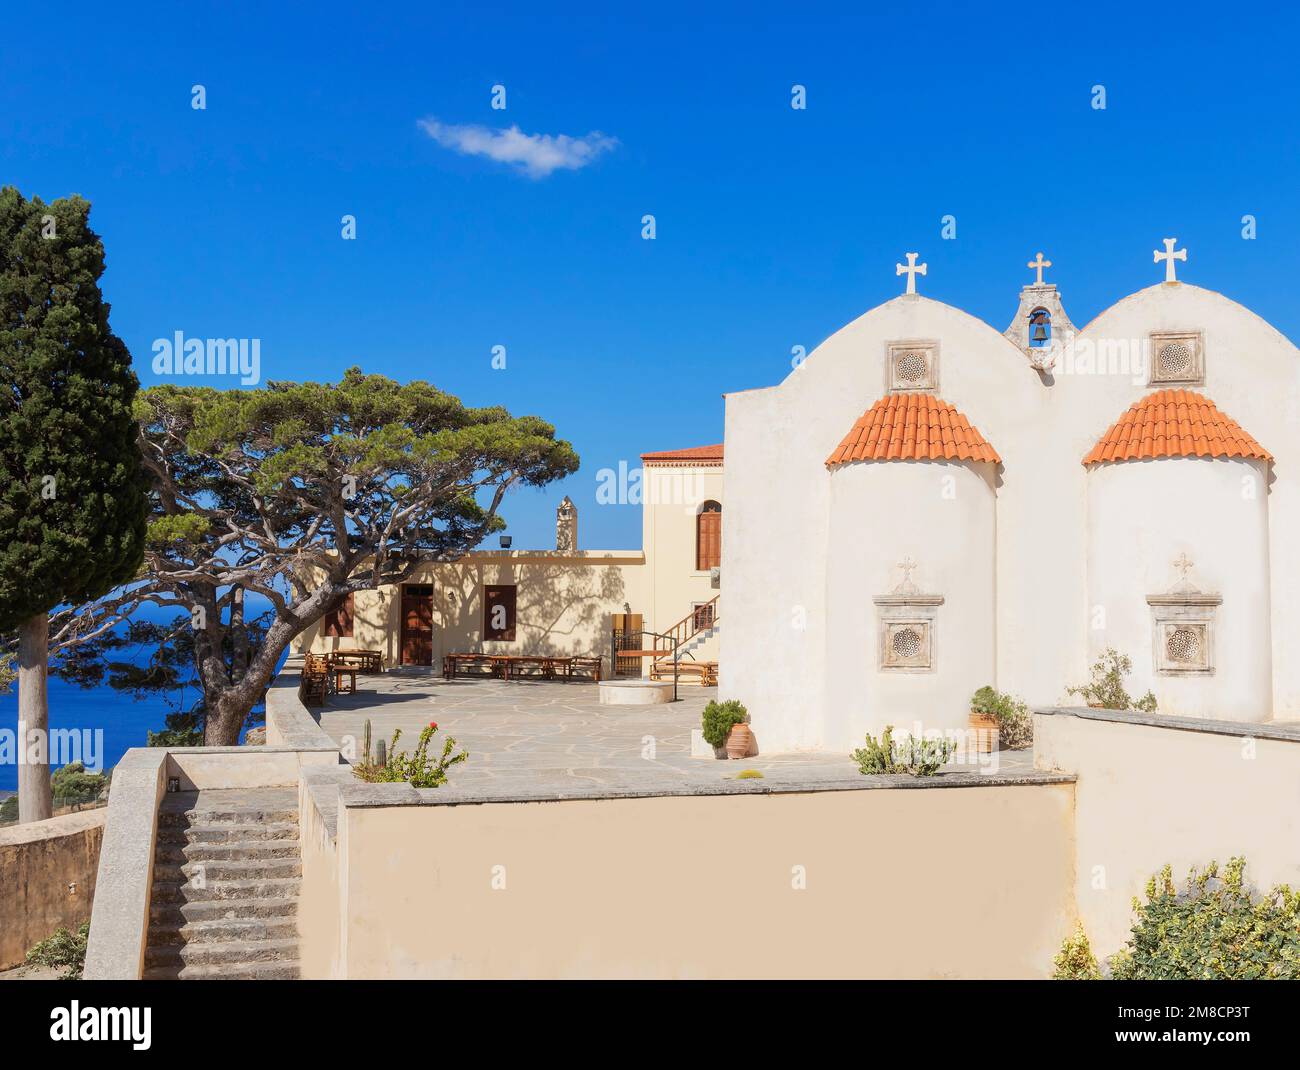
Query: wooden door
417	624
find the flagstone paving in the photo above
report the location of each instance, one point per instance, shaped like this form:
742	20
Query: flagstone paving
526	735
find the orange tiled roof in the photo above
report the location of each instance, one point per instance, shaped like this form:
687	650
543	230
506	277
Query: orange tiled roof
912	427
1174	423
700	454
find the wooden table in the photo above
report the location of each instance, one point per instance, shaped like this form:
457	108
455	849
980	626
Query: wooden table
366	660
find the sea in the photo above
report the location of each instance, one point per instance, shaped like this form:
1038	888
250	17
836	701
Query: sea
122	718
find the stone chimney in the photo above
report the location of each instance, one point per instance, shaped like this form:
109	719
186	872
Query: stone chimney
566	527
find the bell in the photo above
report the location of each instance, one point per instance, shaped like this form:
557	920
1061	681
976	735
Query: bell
1040	333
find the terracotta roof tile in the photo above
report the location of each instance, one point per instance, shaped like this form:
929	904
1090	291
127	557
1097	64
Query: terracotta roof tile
1174	423
912	427
700	454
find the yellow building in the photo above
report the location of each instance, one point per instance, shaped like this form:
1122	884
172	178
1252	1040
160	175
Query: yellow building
564	601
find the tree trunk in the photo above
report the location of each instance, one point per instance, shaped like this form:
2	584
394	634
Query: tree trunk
238	636
35	802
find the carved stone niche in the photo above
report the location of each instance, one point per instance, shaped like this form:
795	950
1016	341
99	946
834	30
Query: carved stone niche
1177	358
906	622
1182	636
912	367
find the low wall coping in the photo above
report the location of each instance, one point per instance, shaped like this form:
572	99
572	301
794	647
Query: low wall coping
52	828
1245	729
119	916
361	795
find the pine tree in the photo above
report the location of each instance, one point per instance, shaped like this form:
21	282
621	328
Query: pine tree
72	489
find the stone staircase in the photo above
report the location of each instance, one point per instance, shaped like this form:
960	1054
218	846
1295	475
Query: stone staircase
227	869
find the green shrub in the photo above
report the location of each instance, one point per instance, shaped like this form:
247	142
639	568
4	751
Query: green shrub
1075	961
1213	930
9	810
63	951
985	702
1015	726
876	758
718	718
72	784
418	770
914	756
1106	686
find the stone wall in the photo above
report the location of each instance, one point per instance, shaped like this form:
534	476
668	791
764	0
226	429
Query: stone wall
47	879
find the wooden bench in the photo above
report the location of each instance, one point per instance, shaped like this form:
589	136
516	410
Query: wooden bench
583	667
707	671
474	664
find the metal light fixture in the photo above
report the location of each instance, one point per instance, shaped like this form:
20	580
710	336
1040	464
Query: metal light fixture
506	540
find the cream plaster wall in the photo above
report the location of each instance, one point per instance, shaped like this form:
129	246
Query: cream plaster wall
702	886
673	496
1144	514
1147	796
879	514
563	605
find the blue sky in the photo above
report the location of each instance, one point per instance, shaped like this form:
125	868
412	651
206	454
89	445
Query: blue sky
774	226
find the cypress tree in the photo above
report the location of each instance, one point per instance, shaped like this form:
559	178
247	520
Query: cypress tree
72	488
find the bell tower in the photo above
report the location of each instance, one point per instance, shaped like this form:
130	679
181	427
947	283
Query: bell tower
1041	325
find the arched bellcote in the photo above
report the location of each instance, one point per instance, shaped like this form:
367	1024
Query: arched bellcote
1041	325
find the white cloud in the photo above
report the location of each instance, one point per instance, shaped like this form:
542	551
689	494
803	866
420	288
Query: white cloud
537	155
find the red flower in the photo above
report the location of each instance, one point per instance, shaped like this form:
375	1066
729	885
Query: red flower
433	724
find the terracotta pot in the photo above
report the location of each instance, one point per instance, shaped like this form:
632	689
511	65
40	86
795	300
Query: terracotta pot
739	741
985	727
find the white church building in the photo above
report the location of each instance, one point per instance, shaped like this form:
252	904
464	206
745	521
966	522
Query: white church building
927	505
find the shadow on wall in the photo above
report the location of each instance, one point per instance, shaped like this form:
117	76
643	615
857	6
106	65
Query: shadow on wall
559	609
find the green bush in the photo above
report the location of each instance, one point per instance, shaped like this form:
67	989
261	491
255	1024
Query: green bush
719	717
1075	961
63	951
72	784
1015	726
1213	930
418	770
914	756
1106	686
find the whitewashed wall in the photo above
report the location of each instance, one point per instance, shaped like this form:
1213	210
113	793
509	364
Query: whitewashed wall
943	516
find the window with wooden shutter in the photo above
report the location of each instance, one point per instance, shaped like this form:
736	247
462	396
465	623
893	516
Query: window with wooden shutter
708	537
499	612
338	621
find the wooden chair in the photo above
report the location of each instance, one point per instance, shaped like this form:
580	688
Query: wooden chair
315	680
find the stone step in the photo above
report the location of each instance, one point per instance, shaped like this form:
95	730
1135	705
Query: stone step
175	891
176	930
227	953
237	851
219	870
183	819
230	833
251	971
177	914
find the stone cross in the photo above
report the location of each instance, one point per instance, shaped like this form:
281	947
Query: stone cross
911	271
908	566
1183	564
1169	256
1039	264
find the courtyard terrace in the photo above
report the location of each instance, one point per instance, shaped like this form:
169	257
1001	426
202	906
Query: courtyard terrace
537	739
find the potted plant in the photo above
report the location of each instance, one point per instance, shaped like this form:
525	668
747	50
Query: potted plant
984	722
726	729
